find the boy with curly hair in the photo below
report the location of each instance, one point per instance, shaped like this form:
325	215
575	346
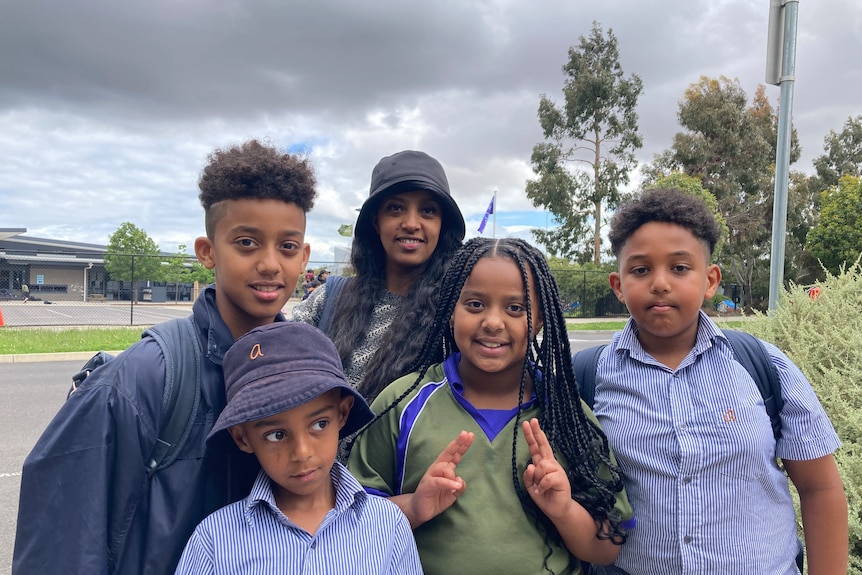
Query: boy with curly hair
688	425
87	504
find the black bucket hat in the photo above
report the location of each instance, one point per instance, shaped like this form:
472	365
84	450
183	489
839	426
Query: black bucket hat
280	366
404	172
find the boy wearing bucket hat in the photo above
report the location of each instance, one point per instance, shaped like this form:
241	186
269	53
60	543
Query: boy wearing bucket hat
289	404
407	231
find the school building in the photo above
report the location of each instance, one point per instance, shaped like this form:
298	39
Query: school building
52	269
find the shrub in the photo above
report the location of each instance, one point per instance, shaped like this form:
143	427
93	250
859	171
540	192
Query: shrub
823	336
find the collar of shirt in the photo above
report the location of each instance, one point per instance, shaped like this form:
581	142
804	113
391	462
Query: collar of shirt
349	495
707	335
492	421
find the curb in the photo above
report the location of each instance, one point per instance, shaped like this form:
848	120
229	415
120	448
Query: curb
81	356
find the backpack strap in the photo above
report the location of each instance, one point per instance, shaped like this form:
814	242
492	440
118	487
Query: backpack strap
751	353
181	348
747	350
585	363
334	284
99	359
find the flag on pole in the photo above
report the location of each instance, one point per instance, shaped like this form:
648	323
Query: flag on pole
345	230
488	213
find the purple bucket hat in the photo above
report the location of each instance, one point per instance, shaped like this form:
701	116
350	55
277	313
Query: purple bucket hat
280	366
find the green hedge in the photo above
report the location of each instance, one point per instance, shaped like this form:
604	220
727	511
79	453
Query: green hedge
823	336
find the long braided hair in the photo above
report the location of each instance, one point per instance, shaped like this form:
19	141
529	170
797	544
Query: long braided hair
575	438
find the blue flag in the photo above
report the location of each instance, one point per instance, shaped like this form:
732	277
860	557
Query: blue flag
488	212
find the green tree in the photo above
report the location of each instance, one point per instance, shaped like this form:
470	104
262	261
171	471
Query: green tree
201	274
836	240
803	211
132	255
176	270
597	130
843	155
730	147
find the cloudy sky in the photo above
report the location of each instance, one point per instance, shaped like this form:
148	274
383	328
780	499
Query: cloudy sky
109	109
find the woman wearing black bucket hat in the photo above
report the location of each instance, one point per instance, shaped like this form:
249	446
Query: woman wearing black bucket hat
405	234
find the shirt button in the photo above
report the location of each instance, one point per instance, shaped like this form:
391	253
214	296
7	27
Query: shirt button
686	480
687	539
314	544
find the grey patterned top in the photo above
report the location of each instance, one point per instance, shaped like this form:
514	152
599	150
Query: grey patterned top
310	311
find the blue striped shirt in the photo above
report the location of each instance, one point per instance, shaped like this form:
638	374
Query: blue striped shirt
698	454
363	534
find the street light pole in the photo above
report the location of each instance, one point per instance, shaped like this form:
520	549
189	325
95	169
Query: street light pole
781	70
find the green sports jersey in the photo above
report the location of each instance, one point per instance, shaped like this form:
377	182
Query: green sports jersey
486	530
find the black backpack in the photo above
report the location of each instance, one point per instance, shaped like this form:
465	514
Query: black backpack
178	340
747	350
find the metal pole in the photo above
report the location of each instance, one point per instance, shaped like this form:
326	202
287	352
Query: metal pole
782	151
132	297
494	224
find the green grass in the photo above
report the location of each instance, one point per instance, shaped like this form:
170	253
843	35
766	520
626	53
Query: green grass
20	341
53	340
616	325
610	325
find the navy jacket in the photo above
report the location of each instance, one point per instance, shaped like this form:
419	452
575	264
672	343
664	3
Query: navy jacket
86	505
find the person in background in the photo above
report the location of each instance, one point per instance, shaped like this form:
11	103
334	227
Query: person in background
310	288
699	457
406	232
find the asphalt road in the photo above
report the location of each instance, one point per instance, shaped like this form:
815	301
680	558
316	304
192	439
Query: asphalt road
64	313
33	391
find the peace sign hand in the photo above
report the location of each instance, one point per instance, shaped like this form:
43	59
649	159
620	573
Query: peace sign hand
439	488
545	479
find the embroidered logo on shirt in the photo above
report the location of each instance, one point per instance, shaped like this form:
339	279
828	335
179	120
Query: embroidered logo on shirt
729	416
255	352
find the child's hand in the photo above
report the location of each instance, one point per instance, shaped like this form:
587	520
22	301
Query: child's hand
545	479
440	487
548	485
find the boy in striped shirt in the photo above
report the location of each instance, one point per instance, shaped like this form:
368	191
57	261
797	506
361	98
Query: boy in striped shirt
692	437
288	403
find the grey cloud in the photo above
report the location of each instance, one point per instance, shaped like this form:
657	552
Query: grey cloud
116	105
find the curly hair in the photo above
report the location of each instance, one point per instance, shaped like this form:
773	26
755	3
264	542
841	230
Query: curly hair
253	170
669	205
356	302
594	477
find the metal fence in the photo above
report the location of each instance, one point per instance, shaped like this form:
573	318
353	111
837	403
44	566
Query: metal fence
587	293
91	297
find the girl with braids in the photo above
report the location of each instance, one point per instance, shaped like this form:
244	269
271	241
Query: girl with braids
407	230
491	454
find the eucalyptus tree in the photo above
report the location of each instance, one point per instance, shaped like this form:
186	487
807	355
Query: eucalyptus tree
843	155
729	146
836	240
588	152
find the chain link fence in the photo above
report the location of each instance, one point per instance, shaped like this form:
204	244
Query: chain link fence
142	290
